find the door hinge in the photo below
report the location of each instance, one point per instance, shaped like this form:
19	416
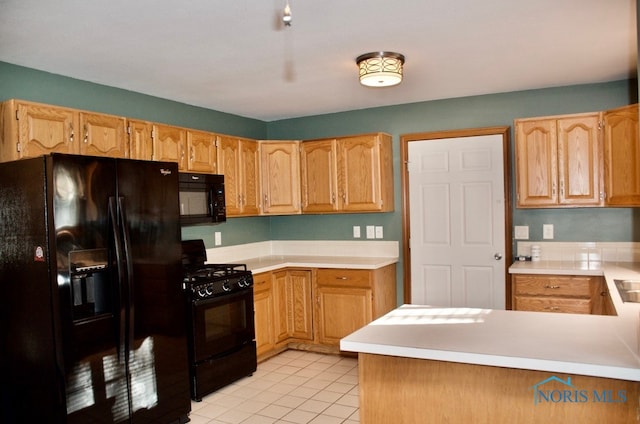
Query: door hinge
17	115
129	129
18	147
600	125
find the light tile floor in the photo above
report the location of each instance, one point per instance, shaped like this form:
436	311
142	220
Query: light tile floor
293	387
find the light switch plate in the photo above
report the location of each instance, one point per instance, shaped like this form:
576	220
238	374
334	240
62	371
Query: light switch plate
218	238
379	231
547	231
356	231
521	232
371	232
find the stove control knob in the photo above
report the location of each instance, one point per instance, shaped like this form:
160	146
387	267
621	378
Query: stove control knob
202	292
225	286
209	290
242	282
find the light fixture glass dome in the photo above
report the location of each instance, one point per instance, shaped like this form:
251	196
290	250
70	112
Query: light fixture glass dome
380	69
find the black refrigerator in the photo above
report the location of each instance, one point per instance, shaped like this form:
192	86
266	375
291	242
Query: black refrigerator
92	311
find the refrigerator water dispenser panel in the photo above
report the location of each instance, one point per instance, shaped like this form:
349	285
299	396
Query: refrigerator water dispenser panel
91	290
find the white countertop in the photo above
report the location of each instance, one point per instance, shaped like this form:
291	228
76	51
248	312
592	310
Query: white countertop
557	267
601	346
270	263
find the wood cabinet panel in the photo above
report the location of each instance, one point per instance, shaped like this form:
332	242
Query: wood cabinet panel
169	144
559	293
103	135
238	161
33	129
559	161
264	313
347	174
280	177
552	304
140	139
342	310
622	156
319	176
202	152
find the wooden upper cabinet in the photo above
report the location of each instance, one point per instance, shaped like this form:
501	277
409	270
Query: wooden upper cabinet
558	161
169	144
202	152
280	177
238	161
32	129
140	140
347	174
319	176
622	157
103	135
363	175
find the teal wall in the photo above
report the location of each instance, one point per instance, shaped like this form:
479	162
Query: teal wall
470	112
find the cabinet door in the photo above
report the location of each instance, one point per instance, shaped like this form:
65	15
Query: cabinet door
264	313
103	135
622	157
319	176
341	311
300	304
536	162
201	151
249	164
228	165
45	129
280	176
281	306
359	179
140	140
579	160
168	144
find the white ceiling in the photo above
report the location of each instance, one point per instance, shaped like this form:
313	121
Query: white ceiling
235	56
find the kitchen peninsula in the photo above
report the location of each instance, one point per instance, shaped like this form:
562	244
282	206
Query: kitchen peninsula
424	364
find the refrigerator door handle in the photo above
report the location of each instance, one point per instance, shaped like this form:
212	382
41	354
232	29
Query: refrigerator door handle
117	237
129	280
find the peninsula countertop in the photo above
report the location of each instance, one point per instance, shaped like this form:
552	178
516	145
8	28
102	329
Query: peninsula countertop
593	345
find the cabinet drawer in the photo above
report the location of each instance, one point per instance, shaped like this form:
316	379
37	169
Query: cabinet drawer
550	304
261	282
552	285
344	277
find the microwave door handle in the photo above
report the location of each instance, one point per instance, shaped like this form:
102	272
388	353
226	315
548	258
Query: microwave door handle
129	276
117	237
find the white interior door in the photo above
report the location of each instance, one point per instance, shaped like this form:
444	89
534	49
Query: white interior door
457	222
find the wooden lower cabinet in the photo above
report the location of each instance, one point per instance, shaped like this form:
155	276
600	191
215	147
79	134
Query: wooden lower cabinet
313	309
349	299
263	306
408	391
576	294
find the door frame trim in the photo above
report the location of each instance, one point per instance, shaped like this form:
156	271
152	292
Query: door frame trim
405	139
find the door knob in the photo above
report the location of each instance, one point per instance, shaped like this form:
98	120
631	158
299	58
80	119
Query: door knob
497	256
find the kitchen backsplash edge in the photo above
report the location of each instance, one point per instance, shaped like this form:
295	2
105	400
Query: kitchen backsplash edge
241	252
583	251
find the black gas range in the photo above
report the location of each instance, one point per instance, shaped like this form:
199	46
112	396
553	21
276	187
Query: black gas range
222	346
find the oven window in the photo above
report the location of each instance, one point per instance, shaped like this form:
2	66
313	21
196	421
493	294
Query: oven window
193	203
224	320
223	324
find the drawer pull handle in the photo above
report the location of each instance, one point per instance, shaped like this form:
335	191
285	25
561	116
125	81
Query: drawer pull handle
551	287
551	308
342	278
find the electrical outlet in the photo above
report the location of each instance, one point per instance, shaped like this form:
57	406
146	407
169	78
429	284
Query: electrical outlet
521	232
356	231
371	232
218	238
379	231
547	231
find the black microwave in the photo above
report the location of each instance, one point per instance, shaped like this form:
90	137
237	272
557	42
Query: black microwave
201	199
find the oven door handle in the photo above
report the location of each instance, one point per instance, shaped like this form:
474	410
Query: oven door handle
223	298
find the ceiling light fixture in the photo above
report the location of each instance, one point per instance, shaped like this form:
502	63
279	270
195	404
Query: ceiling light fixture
286	14
380	69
